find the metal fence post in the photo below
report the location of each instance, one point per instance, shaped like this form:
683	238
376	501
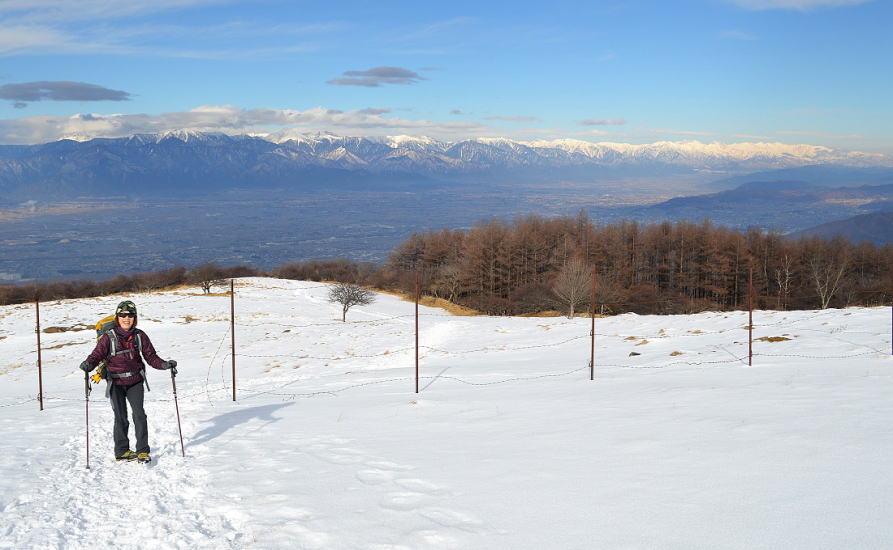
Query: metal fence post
418	291
232	323
39	360
750	314
592	313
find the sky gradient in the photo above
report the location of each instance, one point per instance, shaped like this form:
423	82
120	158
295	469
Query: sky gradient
789	71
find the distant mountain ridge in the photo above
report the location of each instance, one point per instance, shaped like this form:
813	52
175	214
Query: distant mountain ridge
196	162
782	205
876	228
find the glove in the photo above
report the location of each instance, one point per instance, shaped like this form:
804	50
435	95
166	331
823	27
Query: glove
171	366
86	367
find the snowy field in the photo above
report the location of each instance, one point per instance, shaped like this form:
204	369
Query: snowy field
508	445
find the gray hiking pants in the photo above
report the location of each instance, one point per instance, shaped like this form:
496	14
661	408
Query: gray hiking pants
120	396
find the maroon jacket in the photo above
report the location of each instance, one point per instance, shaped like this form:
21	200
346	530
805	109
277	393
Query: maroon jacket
125	362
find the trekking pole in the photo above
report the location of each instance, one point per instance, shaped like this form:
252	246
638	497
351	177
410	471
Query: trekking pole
174	384
87	411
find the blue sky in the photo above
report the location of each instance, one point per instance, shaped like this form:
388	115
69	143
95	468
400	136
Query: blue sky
790	71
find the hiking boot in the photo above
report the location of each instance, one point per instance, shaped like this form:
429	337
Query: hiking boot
126	457
143	458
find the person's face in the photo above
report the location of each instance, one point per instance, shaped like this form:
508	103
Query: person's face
125	320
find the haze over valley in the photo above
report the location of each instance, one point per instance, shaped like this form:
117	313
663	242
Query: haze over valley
189	197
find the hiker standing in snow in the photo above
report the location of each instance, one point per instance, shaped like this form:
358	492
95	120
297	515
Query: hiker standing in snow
122	346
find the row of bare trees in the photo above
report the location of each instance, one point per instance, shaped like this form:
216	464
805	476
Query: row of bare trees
206	276
534	263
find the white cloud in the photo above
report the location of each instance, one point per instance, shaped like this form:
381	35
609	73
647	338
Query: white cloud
21	38
439	28
227	119
513	118
102	26
90	10
813	133
674	132
603	122
803	5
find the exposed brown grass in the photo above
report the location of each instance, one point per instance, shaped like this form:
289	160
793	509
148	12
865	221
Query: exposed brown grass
773	339
430	301
57	346
547	313
75	328
675	354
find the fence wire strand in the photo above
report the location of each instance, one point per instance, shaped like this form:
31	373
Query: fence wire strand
207	389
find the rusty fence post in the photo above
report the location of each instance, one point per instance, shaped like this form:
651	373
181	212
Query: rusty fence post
418	286
232	326
750	314
592	314
39	359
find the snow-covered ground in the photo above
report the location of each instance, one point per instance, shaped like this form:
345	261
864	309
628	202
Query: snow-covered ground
507	445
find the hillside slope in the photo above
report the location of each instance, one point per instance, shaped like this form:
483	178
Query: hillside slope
676	444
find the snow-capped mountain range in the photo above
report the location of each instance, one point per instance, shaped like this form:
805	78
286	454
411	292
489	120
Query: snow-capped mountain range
507	152
483	152
186	159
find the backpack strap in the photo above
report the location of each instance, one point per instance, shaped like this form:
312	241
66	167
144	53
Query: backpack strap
113	351
113	345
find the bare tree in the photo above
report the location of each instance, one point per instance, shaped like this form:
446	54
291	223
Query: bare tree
827	273
572	288
783	276
208	275
446	282
607	292
349	295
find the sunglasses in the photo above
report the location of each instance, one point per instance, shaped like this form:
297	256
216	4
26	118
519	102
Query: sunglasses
127	315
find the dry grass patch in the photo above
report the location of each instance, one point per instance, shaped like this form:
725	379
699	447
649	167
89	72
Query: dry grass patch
440	303
190	319
547	313
773	339
643	342
10	368
676	354
75	328
631	338
58	346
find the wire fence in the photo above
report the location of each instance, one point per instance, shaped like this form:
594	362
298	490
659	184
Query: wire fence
280	386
